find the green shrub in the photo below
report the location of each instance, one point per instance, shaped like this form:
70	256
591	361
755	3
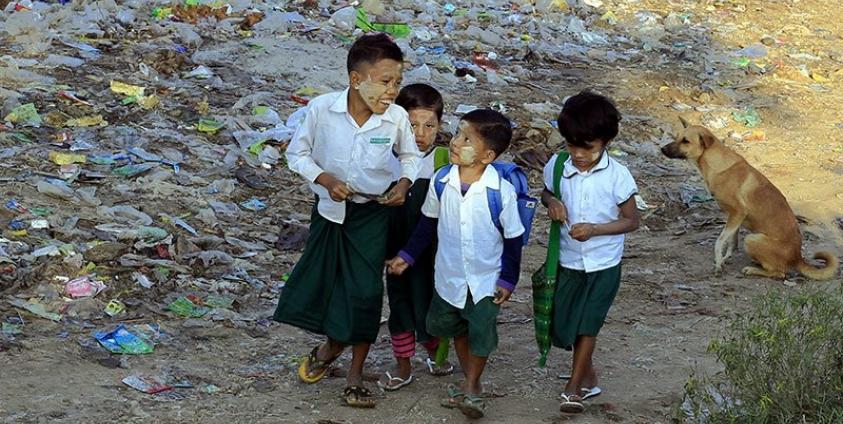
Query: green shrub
782	363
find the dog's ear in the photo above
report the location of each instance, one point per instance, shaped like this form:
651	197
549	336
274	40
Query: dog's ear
707	139
685	123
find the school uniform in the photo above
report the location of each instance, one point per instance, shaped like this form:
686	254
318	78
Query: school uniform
336	288
409	294
473	256
589	271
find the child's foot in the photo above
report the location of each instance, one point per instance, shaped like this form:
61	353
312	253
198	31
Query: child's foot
455	397
313	369
398	378
472	406
439	370
571	404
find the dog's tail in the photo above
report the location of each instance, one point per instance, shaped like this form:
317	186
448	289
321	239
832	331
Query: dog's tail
825	273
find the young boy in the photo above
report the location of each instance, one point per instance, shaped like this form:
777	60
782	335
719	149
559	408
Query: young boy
410	294
344	148
597	208
477	264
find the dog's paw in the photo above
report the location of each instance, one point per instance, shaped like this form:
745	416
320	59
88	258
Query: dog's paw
718	270
749	270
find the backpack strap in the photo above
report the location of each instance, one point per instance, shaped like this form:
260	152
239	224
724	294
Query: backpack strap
495	206
553	242
438	185
558	168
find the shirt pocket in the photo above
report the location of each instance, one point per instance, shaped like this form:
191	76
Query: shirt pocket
377	156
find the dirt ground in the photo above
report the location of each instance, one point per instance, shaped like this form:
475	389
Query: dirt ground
670	305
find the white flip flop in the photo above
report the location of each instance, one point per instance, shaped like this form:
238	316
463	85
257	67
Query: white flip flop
401	382
431	364
588	393
571	406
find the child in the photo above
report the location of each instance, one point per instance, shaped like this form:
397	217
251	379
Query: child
410	294
344	148
597	208
477	264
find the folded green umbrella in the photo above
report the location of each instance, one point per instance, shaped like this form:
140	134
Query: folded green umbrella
544	279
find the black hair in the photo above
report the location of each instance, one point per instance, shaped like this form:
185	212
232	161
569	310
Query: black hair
421	96
586	117
371	48
493	127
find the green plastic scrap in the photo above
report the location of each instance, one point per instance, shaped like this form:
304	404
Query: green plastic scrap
749	117
394	29
209	126
24	115
185	308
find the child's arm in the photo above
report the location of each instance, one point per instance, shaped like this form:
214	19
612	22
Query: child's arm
510	268
410	158
300	160
421	238
422	235
626	223
556	210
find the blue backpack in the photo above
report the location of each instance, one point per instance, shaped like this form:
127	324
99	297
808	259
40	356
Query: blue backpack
512	173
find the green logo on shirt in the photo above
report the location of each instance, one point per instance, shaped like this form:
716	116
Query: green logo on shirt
379	140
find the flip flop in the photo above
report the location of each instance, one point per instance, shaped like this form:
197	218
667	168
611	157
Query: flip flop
455	397
358	397
588	393
472	406
437	370
312	362
401	382
571	404
565	376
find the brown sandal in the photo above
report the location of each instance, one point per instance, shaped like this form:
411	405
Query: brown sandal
358	397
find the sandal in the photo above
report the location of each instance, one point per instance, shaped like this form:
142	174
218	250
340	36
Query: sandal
472	406
439	370
571	404
358	397
454	399
311	363
588	393
401	382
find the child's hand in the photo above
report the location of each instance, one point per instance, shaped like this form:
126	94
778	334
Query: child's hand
398	194
583	231
396	266
501	295
557	211
338	190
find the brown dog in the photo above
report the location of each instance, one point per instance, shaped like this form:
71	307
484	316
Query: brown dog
749	199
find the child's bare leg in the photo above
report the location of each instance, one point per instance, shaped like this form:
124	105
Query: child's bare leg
359	352
472	365
581	370
329	350
461	347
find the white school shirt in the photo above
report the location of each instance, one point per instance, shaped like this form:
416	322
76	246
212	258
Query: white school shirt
468	256
593	197
329	140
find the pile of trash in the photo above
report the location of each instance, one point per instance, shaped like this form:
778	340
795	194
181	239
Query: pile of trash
141	142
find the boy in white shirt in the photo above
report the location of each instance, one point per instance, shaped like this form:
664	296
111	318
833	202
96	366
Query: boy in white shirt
344	148
597	208
477	264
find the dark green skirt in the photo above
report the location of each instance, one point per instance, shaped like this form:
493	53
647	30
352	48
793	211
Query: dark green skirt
410	293
581	303
336	288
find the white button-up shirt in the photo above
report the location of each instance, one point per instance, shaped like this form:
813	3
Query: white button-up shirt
468	256
329	140
592	197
